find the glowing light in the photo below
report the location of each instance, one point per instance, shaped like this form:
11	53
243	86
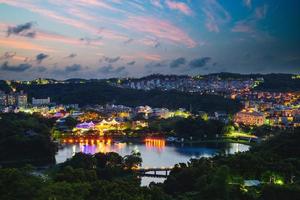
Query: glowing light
155	143
279	182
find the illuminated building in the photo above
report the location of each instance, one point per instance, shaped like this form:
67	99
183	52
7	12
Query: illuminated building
161	112
40	101
139	124
3	99
106	125
85	126
249	118
11	99
21	99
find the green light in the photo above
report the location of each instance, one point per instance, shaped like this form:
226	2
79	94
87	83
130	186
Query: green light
279	182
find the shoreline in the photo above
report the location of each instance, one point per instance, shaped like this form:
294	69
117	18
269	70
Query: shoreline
142	139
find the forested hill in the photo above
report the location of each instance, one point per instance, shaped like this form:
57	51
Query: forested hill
272	82
280	83
101	93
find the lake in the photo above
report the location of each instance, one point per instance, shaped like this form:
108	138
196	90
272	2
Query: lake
155	153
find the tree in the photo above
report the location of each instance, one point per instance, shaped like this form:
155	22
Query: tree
133	161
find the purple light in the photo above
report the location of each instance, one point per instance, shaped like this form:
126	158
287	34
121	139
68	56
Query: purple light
85	125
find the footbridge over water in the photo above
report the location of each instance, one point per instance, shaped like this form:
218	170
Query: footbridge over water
161	172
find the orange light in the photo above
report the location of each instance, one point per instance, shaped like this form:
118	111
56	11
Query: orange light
108	141
155	143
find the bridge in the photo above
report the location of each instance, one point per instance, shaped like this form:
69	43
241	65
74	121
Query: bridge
154	172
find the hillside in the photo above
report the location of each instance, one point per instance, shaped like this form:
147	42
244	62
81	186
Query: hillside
102	93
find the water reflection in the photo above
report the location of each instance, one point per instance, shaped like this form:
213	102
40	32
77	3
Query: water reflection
155	144
155	152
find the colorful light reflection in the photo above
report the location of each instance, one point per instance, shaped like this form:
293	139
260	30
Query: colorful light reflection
155	143
93	145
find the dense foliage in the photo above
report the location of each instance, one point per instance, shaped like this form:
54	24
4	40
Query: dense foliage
195	127
4	87
279	83
25	139
276	163
84	177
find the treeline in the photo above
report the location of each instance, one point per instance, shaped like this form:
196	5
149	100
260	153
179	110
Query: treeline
4	87
25	139
83	177
192	127
102	93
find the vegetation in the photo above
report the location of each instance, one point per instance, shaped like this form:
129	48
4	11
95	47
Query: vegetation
25	139
272	82
4	87
196	128
88	177
100	92
276	163
279	83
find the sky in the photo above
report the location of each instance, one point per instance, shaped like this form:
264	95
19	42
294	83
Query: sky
64	39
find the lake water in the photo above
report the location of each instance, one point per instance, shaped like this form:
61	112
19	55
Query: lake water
155	153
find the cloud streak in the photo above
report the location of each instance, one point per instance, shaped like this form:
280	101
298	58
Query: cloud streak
8	55
15	68
180	6
111	70
40	57
73	68
216	15
199	62
111	60
20	44
21	30
178	62
159	28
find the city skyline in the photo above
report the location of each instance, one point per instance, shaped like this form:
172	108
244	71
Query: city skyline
102	39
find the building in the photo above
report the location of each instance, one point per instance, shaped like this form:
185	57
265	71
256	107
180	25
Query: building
11	99
40	101
3	99
21	99
250	118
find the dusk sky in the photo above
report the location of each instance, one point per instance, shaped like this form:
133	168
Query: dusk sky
119	38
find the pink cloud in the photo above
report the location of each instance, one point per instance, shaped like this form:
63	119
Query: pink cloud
52	37
20	44
158	28
142	55
180	6
151	57
97	3
149	42
45	36
66	20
